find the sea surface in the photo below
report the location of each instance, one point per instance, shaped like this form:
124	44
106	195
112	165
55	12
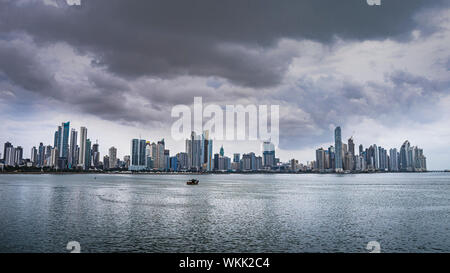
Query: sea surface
225	213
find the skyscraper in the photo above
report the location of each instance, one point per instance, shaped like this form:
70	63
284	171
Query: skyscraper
95	155
88	155
236	158
160	159
351	146
10	156
166	160
320	159
405	163
82	153
393	160
18	156
105	162
41	155
34	156
73	160
194	151
56	138
6	146
338	149
137	155
148	155
268	154
332	156
64	140
112	157
207	153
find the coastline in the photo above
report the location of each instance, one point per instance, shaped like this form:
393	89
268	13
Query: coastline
200	173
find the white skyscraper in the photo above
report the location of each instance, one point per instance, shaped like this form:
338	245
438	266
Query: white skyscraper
83	138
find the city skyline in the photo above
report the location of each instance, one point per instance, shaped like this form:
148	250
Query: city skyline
381	72
199	155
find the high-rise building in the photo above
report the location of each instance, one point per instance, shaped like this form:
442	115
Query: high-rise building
88	155
194	151
331	154
160	162
249	162
64	140
34	156
405	163
82	153
393	163
106	162
6	146
148	155
166	160
73	159
41	155
268	154
95	155
10	155
112	158
338	149
173	163
236	157
126	161
207	152
56	138
182	160
18	156
138	155
351	146
320	159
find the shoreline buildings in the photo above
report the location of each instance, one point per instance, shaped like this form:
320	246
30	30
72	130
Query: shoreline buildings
67	153
342	158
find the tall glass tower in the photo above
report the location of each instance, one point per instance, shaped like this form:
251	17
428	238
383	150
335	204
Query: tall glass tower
64	140
338	149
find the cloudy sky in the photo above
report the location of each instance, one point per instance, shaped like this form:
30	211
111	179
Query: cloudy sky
118	67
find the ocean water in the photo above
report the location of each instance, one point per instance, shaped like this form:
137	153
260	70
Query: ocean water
225	213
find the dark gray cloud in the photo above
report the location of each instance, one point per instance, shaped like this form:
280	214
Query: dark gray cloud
166	38
402	97
19	65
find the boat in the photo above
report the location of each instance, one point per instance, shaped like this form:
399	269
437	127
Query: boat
192	182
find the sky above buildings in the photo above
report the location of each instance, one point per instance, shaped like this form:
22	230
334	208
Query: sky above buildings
382	73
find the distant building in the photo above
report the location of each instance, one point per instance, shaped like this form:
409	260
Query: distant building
82	152
182	161
95	155
320	160
73	159
137	155
338	149
393	160
88	155
112	158
106	163
268	154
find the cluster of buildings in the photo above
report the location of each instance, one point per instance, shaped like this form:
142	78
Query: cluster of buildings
198	157
73	150
343	157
